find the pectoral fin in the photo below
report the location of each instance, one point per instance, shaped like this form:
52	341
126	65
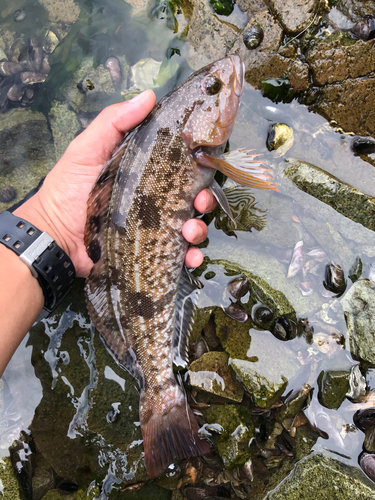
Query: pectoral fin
219	194
240	166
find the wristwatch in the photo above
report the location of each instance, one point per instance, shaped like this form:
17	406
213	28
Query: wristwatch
48	263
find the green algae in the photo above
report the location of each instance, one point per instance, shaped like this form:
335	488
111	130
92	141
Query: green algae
238	429
333	387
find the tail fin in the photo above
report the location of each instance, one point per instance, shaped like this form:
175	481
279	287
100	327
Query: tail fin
170	435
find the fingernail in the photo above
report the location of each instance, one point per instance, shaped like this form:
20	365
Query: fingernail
139	96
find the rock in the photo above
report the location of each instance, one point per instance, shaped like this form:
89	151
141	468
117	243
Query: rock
320	477
359	307
234	336
65	126
264	379
26	152
89	88
294	16
329	62
355	8
333	387
81	383
346	199
208	37
9	487
233	442
293	406
350	103
67	11
212	374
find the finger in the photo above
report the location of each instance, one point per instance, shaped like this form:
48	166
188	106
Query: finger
95	144
194	257
194	231
205	201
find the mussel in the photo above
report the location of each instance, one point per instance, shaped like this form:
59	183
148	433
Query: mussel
112	64
365	419
236	312
19	15
280	137
253	37
367	463
335	279
263	316
365	28
238	287
363	145
285	329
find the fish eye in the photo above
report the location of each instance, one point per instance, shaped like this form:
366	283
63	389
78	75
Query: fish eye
212	85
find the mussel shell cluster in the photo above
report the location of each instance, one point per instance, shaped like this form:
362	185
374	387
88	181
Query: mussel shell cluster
335	279
27	66
238	288
253	37
263	316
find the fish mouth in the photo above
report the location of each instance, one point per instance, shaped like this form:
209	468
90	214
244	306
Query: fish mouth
239	69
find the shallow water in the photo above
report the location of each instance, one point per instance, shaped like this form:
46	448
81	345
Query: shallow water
67	403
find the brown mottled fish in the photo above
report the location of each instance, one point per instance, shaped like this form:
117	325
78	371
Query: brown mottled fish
140	296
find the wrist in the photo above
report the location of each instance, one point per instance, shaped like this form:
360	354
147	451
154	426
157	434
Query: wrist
33	211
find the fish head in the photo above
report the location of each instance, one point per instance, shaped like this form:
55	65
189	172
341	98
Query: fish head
216	93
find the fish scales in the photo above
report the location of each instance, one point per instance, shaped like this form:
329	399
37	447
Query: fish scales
133	234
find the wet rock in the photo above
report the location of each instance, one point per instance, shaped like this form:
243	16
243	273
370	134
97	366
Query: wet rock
90	88
359	307
211	373
64	125
329	61
237	430
294	16
333	386
319	477
355	271
346	199
350	103
293	405
264	379
67	11
26	152
234	336
208	37
70	425
355	8
7	194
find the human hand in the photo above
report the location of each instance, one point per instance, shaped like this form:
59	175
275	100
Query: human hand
60	206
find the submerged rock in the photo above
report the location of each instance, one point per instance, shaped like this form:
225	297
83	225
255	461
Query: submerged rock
294	16
359	307
262	378
64	125
321	478
237	431
333	387
344	198
9	487
211	373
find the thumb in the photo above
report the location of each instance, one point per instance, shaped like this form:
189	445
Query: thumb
95	144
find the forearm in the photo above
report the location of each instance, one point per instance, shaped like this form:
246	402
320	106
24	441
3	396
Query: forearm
21	301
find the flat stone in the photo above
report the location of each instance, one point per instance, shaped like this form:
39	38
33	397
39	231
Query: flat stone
335	62
321	478
65	126
346	199
359	307
294	15
234	336
26	151
9	487
237	430
211	373
208	36
264	379
350	103
333	386
67	11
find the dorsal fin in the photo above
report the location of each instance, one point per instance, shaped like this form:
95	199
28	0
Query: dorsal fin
98	288
187	295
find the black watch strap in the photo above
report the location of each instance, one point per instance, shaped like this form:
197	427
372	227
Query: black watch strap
48	263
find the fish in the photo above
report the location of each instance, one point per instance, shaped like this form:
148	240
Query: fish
139	294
